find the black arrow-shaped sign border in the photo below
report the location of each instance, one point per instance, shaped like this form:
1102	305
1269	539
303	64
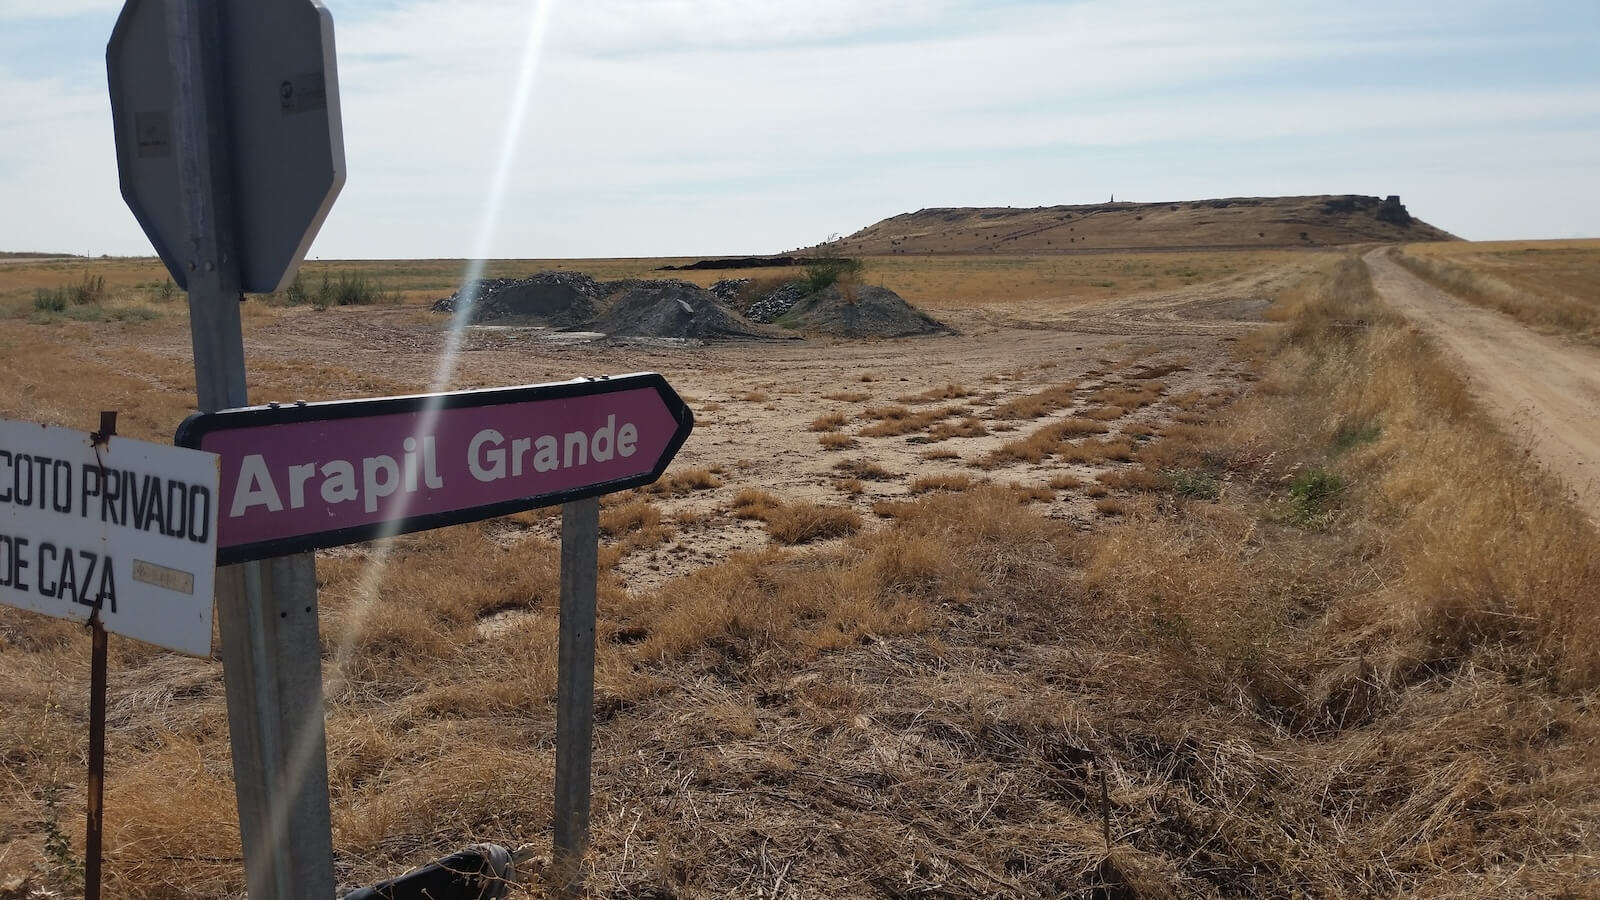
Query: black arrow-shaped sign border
195	429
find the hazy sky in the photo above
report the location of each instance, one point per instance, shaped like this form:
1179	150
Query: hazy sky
680	127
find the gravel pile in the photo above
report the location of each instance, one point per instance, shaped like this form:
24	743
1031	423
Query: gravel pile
554	299
675	309
727	290
775	304
861	311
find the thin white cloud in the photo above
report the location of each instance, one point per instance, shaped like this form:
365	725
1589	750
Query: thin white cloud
24	10
708	125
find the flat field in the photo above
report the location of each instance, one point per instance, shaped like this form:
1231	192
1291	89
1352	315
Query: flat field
1168	575
1553	286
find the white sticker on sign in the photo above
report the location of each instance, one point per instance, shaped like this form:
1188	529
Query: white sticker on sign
125	527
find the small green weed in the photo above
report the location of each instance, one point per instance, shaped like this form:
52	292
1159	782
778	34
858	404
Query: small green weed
1311	493
1194	484
66	868
1351	436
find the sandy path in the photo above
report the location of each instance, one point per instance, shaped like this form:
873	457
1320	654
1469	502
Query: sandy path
1542	387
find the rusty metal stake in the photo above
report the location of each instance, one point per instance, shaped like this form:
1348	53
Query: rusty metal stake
94	829
97	760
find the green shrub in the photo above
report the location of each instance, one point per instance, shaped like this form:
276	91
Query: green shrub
345	289
92	289
830	270
50	299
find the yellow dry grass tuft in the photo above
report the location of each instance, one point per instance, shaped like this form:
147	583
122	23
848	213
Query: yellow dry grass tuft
932	395
891	421
804	522
836	440
865	469
1110	506
1134	478
1052	439
685	481
1134	397
968	427
927	483
751	503
1038	404
829	422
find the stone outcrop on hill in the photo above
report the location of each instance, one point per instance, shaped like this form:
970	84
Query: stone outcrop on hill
1224	223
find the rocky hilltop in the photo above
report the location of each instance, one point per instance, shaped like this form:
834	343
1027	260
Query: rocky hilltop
1228	223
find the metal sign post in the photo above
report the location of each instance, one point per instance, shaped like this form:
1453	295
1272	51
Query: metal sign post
580	563
94	824
230	175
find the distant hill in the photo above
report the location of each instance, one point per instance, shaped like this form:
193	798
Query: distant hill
1234	222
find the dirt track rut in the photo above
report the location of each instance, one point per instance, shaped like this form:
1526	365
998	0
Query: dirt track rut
1543	389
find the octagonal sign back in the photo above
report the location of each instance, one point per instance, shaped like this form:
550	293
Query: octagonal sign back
280	119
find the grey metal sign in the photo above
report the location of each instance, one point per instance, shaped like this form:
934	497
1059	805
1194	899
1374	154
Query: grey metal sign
279	101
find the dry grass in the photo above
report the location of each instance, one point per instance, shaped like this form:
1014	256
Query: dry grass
847	396
853	487
804	522
892	421
1128	397
636	515
932	395
685	481
928	483
968	427
751	503
756	397
865	469
1052	439
1110	506
1097	450
939	453
1031	493
1038	404
1103	413
836	440
1548	285
1065	482
1135	478
829	422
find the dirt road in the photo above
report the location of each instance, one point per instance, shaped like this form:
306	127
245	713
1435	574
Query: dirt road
1539	387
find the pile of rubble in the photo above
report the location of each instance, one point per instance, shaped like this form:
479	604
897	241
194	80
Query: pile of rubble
775	303
670	308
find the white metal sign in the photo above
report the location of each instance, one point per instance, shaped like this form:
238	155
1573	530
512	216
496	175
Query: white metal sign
125	527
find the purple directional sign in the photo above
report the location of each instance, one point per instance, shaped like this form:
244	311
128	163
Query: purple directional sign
316	475
278	92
